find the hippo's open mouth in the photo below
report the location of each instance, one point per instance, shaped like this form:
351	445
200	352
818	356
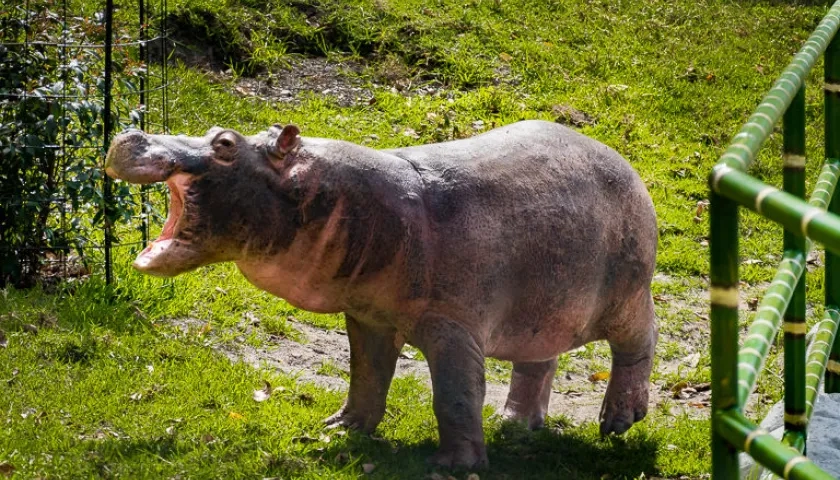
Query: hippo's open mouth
177	186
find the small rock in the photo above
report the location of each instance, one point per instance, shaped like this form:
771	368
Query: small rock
285	93
29	328
368	467
478	125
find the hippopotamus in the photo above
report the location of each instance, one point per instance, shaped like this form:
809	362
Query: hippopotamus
520	243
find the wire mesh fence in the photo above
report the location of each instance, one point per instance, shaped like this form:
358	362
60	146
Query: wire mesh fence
73	73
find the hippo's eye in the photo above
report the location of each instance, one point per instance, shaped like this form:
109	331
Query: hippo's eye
224	146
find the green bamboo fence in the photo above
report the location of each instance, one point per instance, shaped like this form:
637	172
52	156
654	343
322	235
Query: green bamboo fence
735	369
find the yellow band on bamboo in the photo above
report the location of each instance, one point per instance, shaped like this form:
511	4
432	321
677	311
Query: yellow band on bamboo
796	328
806	219
793	160
792	463
796	419
725	296
759	199
755	433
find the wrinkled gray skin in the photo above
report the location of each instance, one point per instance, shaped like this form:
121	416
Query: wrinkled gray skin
519	244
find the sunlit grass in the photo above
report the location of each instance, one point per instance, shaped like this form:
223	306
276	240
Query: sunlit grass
100	381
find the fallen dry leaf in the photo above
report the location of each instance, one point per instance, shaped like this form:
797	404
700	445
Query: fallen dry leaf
505	57
236	416
264	393
368	467
702	205
205	329
599	376
679	386
7	469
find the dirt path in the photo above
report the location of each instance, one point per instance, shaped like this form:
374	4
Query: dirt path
323	357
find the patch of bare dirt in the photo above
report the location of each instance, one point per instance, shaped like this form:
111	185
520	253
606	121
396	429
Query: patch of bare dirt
305	76
577	394
341	81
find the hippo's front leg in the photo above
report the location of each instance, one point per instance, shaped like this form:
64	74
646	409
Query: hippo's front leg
373	358
456	363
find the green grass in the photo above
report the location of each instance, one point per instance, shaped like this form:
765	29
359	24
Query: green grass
93	390
667	84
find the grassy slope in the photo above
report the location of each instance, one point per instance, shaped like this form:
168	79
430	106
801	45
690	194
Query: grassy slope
667	83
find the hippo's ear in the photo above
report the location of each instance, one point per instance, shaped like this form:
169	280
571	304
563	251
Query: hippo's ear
288	140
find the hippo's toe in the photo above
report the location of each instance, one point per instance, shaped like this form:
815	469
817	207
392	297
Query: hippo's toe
470	455
365	422
621	410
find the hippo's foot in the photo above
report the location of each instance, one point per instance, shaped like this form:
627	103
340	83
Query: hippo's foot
623	407
530	390
373	358
468	455
364	421
626	400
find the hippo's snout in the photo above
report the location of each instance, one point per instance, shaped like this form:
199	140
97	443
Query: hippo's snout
135	157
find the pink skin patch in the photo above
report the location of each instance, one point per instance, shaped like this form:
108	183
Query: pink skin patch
177	185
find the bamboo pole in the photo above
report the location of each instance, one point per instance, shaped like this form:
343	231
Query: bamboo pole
723	241
832	151
795	327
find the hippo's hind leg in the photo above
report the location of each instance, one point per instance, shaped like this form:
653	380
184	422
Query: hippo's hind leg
456	362
530	390
373	359
632	340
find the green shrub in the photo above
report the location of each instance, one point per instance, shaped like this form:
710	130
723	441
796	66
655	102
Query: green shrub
51	136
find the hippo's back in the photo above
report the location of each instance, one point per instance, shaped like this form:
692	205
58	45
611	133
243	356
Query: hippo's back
539	215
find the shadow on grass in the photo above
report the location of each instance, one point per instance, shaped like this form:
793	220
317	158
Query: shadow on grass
514	452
